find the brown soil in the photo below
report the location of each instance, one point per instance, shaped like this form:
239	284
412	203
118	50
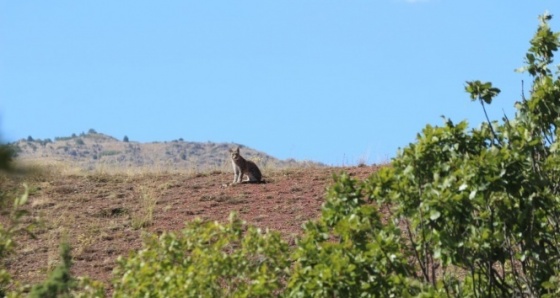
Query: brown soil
104	216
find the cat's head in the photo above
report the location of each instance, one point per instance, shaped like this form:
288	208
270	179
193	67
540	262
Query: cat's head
234	153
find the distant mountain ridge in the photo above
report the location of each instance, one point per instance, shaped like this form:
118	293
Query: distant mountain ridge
92	150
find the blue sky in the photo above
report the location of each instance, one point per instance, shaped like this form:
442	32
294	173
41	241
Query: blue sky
331	81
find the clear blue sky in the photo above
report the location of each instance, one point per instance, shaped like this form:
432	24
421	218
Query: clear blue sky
331	81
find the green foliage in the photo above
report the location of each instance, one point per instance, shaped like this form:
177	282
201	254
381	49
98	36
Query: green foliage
7	233
61	283
7	230
7	154
125	139
482	91
349	252
206	260
541	53
485	202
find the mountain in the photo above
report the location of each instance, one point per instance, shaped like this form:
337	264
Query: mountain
94	150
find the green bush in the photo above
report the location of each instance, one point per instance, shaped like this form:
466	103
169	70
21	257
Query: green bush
206	260
485	204
349	252
60	282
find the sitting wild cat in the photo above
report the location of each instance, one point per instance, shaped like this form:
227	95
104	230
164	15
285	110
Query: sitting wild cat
241	167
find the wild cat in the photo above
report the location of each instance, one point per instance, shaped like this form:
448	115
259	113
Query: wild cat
241	167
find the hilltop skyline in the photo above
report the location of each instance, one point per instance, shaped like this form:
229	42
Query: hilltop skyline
93	151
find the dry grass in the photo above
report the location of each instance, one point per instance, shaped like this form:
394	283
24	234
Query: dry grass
144	215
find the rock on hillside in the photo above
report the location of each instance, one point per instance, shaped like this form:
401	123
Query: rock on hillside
96	150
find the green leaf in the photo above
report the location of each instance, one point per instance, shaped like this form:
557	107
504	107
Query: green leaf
434	214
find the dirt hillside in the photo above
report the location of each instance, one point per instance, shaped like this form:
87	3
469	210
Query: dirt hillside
104	215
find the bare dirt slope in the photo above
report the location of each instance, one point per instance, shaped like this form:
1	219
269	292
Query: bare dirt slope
104	215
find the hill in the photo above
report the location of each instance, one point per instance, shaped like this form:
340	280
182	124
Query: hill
103	216
95	151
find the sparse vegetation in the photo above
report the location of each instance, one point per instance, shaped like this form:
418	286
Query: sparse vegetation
143	217
63	138
90	152
109	153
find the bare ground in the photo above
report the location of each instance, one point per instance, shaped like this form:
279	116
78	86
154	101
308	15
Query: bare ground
103	216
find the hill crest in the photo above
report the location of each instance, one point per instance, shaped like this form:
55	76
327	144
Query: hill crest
92	150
